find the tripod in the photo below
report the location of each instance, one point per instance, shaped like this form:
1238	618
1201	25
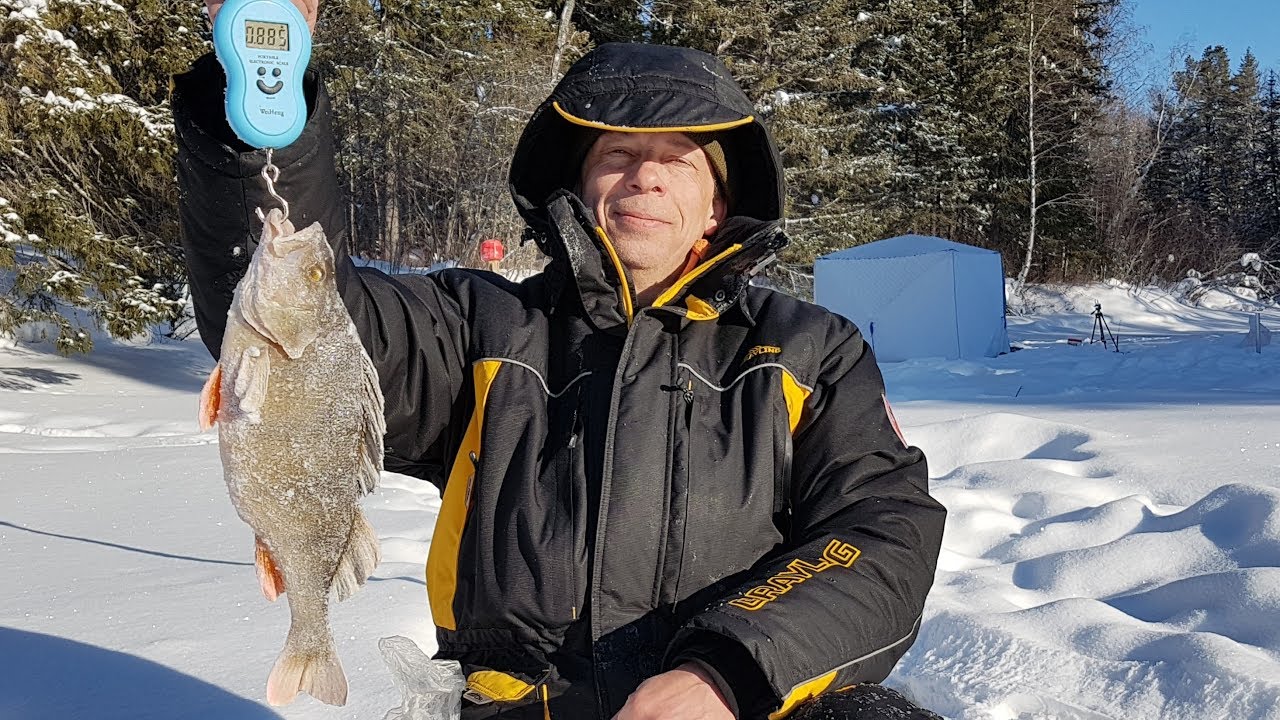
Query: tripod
1101	330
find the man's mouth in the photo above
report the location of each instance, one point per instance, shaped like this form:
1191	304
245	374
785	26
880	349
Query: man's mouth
639	218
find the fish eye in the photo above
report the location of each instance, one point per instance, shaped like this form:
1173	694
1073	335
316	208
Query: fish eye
315	273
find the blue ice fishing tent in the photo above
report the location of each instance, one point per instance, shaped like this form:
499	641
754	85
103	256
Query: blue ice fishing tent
915	296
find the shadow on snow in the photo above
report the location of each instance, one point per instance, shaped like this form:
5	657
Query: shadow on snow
43	677
118	546
28	378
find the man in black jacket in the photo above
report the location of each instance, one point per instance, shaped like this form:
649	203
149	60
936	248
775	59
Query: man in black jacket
666	493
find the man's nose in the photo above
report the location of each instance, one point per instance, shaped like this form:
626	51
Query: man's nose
646	176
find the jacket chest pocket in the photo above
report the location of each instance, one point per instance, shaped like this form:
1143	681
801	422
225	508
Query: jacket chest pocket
734	446
573	509
682	440
525	541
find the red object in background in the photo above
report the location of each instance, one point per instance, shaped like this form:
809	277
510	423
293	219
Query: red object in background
492	250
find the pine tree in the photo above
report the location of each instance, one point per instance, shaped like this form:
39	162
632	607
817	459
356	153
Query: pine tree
1267	182
607	21
1243	119
925	128
1196	183
87	190
429	99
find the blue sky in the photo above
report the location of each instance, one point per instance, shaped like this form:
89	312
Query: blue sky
1235	24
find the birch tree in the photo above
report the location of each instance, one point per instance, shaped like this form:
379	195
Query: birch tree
1059	93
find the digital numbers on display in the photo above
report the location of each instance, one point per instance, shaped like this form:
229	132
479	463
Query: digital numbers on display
266	36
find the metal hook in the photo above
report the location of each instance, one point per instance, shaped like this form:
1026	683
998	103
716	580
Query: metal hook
271	173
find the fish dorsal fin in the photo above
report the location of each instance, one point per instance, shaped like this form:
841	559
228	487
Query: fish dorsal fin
374	426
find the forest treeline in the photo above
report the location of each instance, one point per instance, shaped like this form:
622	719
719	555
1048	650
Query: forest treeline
1001	123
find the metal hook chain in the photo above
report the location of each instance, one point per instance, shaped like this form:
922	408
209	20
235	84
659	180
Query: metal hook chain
271	173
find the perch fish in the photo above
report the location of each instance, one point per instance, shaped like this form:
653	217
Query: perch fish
300	423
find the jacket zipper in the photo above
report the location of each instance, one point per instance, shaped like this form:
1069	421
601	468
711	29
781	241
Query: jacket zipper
602	512
782	479
689	400
574	501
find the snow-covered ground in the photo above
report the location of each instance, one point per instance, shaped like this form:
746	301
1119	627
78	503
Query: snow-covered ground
1113	544
1113	548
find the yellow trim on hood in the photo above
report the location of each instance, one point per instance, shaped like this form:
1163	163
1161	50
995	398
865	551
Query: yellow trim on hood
710	127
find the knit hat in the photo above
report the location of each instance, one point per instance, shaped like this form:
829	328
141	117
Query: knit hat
710	143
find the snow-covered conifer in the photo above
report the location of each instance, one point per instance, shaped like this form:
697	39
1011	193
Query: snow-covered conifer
86	145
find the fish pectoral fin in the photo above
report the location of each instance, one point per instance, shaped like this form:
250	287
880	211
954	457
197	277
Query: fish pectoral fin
211	398
252	374
269	576
374	427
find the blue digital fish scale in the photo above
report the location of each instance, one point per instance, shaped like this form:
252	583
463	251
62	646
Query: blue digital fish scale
264	47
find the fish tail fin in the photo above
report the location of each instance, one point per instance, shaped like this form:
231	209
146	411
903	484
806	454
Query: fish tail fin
269	577
359	560
319	675
211	398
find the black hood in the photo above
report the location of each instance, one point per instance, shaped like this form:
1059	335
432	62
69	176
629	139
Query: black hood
633	87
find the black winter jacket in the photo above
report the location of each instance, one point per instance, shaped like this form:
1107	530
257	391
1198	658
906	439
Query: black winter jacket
715	478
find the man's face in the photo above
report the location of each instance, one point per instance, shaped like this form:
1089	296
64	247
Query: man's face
655	196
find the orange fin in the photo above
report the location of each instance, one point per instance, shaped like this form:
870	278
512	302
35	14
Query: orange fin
211	398
269	576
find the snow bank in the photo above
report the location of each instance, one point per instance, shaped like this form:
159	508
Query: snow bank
1113	542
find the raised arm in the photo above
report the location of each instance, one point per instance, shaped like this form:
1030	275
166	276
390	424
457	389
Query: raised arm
411	326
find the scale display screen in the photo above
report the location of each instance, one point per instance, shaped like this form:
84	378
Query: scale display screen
266	35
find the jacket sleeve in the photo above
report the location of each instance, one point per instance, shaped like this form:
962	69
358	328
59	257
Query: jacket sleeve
412	326
840	602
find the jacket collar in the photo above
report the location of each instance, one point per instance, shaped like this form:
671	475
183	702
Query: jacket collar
743	248
584	262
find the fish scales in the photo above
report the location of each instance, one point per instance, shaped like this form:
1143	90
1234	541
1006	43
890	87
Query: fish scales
300	417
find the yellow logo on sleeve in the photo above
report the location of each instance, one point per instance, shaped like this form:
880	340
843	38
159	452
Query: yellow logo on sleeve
838	553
